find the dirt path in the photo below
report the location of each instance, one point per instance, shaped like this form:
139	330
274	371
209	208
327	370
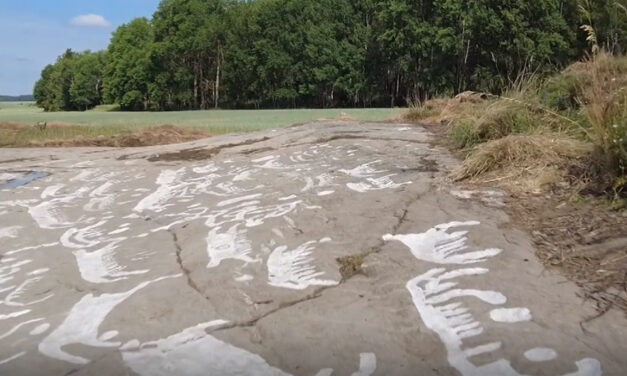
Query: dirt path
324	249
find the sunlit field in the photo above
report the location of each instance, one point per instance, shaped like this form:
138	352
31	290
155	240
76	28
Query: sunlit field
215	121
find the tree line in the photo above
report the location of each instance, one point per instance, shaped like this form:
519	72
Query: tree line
201	54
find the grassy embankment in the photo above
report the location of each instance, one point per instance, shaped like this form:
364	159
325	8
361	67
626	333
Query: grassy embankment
569	129
103	127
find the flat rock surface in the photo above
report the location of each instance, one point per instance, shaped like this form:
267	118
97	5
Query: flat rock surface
323	249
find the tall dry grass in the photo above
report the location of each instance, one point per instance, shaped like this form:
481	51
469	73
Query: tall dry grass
604	105
583	108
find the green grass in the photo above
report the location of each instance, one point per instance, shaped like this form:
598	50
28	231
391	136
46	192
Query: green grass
17	107
218	121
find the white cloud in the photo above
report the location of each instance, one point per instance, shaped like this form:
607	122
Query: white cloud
90	20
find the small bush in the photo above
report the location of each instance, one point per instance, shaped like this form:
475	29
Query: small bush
605	110
561	92
506	117
464	135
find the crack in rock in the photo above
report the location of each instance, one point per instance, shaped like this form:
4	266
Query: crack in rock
179	260
317	293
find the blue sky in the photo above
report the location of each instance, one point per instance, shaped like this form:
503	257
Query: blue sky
34	32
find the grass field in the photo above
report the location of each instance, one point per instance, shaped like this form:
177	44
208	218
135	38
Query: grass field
220	121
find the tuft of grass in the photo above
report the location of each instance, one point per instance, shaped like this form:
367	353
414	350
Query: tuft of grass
464	134
505	117
523	151
561	92
604	105
351	266
426	110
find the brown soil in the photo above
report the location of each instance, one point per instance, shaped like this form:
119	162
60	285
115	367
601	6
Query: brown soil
586	241
199	154
161	135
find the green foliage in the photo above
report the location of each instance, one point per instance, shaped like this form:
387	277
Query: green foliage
200	54
464	134
561	92
86	87
128	71
74	82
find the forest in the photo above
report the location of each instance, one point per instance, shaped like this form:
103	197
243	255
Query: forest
202	54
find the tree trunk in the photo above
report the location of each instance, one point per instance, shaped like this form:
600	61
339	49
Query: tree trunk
218	68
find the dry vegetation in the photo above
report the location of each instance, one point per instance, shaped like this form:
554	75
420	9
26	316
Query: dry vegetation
66	135
575	122
559	147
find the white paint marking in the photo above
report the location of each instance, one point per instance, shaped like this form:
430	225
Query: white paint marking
39	271
244	278
230	245
292	269
82	323
11	299
119	231
14	314
309	184
11	358
193	352
101	267
325	372
363	171
85	237
40	329
367	364
265	159
9	232
238	200
170	186
107	336
99	198
511	315
540	354
48	245
326	193
438	246
376	184
17	327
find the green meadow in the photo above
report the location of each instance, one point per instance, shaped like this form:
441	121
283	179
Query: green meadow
214	121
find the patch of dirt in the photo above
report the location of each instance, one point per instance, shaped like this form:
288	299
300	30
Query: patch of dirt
257	151
161	135
428	165
199	154
585	241
8	126
351	266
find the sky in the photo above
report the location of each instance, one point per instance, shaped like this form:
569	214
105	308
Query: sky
34	32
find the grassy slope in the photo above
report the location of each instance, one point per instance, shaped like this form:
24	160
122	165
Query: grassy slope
220	121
